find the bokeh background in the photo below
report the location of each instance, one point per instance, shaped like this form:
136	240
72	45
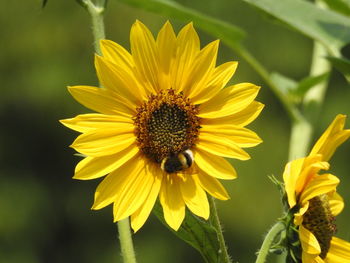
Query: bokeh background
45	216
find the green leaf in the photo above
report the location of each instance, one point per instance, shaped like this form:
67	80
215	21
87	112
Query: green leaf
340	6
284	84
341	64
44	3
294	90
326	26
308	82
231	34
198	233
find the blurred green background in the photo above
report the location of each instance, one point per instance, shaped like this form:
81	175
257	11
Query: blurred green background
45	216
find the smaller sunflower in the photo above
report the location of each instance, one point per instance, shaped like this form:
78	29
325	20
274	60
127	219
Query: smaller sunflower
164	126
314	202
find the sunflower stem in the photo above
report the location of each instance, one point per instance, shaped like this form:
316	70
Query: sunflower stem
96	11
216	223
302	129
269	238
314	98
125	239
300	137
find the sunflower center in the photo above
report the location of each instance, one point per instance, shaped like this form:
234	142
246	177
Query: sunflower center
166	125
319	220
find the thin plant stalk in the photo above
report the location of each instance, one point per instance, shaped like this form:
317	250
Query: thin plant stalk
96	10
268	241
302	130
216	223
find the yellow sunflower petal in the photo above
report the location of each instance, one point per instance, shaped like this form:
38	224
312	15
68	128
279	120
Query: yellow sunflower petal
211	185
101	100
117	54
299	216
94	167
108	190
119	80
339	252
195	197
228	101
218	79
321	184
221	146
311	258
140	216
188	46
336	203
104	142
93	121
241	119
130	198
309	242
312	165
334	136
242	137
172	202
201	70
290	177
213	165
166	44
144	52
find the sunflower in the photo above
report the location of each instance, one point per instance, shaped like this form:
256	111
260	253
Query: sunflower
313	199
164	125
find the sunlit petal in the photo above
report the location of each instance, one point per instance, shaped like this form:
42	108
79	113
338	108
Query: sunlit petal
321	184
102	100
94	121
195	197
339	251
145	54
104	142
109	189
229	101
211	185
241	119
334	136
172	201
221	146
140	216
95	167
213	165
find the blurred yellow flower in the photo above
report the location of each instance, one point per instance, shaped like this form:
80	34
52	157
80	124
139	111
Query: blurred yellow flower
314	199
164	125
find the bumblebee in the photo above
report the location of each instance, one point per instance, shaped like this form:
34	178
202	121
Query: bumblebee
177	162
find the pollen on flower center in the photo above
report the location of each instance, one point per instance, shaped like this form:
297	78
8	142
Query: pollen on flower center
166	124
319	220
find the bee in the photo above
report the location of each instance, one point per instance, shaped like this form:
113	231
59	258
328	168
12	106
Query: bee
177	162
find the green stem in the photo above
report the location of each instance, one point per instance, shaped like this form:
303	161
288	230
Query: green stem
314	98
125	239
300	138
302	129
216	223
96	11
269	238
